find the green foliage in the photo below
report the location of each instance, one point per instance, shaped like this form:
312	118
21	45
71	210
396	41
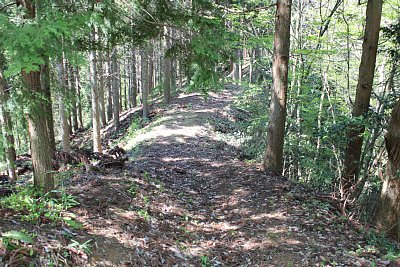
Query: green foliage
28	43
392	34
378	243
146	200
33	206
7	238
15	240
133	189
253	100
204	261
209	48
144	214
80	247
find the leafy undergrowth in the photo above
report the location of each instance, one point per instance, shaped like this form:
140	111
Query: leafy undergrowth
186	198
36	229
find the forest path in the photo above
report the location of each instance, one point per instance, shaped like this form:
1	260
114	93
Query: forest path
185	199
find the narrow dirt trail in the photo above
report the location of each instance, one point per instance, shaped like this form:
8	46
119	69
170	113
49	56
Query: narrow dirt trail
185	199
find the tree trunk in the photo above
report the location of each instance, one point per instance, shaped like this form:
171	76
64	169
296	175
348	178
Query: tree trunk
389	207
6	127
363	95
180	72
125	98
48	112
109	88
116	100
167	69
74	93
79	98
134	80
37	125
145	83
95	100
150	63
119	84
40	143
66	96
61	106
102	105
273	157
129	61
173	76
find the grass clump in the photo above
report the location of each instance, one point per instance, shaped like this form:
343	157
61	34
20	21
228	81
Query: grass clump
34	206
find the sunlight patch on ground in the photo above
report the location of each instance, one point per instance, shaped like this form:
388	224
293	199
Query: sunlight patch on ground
172	209
175	159
293	242
255	244
167	135
187	95
242	211
206	110
123	213
273	215
222	226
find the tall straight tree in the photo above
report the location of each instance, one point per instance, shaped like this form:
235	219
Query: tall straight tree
273	157
133	90
37	126
101	90
125	64
79	97
61	106
167	69
95	98
6	126
145	82
48	112
150	66
387	217
109	87
115	85
74	98
363	95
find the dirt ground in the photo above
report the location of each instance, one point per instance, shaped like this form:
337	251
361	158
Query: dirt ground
186	199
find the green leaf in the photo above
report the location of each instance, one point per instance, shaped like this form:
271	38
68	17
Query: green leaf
17	235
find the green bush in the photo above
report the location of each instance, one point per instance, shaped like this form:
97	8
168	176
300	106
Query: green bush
34	206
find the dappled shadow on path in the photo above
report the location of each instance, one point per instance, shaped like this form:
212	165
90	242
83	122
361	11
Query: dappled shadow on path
185	199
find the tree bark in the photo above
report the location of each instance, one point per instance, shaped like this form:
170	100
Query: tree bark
74	92
37	125
273	157
39	141
116	100
173	77
125	98
48	112
389	207
95	99
363	95
79	99
134	80
6	127
109	88
167	69
67	96
61	106
133	84
102	105
145	83
150	64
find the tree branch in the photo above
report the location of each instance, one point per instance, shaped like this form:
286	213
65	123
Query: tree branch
7	5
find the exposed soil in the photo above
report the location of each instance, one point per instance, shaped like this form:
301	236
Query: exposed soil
185	199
